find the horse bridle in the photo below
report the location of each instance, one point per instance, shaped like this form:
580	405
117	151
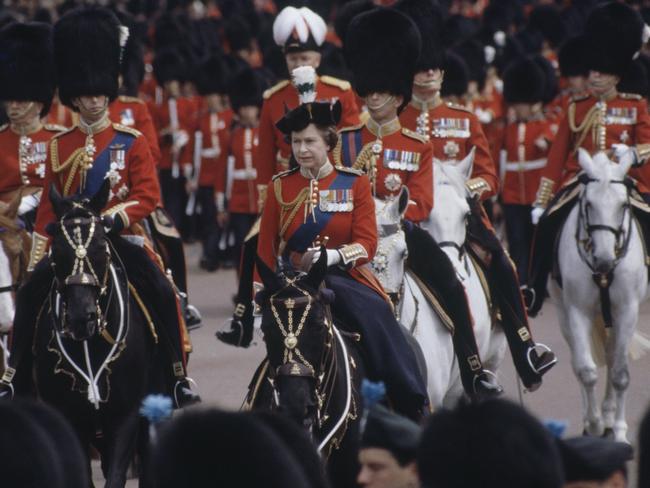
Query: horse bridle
379	263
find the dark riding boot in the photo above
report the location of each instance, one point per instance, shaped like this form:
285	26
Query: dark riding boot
241	324
29	298
430	263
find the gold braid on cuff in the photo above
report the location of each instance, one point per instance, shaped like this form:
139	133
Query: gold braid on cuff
39	246
477	186
351	252
544	192
642	152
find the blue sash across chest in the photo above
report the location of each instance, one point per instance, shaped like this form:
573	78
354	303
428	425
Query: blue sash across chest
102	163
304	235
351	146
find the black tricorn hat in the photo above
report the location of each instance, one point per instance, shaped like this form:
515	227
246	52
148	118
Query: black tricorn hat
212	75
246	89
572	57
324	114
428	18
169	65
27	63
382	49
614	34
87	54
456	78
523	81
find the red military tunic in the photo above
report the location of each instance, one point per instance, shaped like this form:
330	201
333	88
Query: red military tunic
215	133
522	158
274	152
187	124
454	131
23	165
595	125
122	154
342	206
133	112
392	156
243	170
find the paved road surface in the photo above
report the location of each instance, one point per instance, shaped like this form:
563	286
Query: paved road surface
223	372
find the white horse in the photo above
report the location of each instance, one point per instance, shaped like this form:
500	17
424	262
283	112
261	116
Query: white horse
600	237
413	309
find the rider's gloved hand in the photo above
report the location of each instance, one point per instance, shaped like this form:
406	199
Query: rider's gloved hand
535	214
623	152
333	257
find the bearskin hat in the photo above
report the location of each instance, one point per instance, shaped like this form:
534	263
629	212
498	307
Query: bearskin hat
428	18
523	82
548	20
170	30
589	458
458	28
299	29
572	57
87	50
382	48
551	85
348	11
208	447
169	65
132	68
614	34
238	33
246	89
212	75
456	76
635	78
27	63
333	62
473	53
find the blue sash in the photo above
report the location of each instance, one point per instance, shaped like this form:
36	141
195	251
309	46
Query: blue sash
351	145
102	164
304	235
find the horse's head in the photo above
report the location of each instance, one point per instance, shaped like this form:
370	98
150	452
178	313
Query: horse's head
391	254
14	253
298	335
605	212
447	222
80	259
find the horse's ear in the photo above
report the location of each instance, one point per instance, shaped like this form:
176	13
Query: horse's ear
12	209
466	166
403	201
270	280
57	201
99	199
317	272
585	161
625	162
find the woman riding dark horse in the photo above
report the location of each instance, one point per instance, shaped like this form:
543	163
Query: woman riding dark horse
316	209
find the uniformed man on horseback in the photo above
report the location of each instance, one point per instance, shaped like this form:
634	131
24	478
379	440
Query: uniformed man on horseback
78	162
604	120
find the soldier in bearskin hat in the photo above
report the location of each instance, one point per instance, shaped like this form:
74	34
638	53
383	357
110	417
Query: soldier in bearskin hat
87	50
614	34
27	84
454	132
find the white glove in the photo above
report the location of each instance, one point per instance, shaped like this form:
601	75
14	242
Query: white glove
536	213
622	152
484	116
29	202
333	257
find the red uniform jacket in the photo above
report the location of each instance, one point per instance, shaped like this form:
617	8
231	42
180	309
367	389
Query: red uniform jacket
392	156
27	169
522	158
622	118
243	170
133	112
274	151
187	124
454	131
343	208
122	155
215	133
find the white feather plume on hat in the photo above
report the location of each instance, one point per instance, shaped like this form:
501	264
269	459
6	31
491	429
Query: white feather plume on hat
303	21
304	79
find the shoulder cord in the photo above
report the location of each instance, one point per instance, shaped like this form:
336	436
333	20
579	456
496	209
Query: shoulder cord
586	124
291	207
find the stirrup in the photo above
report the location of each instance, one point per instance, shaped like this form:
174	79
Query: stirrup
182	383
498	389
530	296
10	393
193	318
545	349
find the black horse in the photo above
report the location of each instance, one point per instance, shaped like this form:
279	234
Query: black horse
313	370
95	350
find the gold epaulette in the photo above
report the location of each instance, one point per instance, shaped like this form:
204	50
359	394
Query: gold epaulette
128	99
55	127
274	89
630	96
414	135
338	83
128	130
352	171
579	98
285	173
3	127
456	106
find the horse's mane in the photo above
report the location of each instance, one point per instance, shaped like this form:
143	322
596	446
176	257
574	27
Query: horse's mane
452	176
